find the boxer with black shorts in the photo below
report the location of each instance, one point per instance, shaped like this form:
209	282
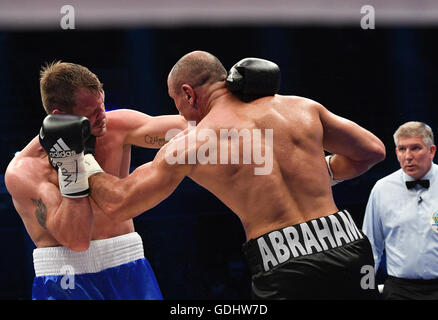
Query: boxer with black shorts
274	176
317	259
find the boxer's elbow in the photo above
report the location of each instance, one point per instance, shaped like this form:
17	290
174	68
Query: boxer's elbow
116	203
74	234
377	153
78	245
73	239
78	239
109	197
113	204
114	213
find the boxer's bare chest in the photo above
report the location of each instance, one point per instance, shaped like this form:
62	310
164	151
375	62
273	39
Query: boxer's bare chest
113	155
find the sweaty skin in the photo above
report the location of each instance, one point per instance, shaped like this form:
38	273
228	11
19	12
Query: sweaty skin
298	188
53	220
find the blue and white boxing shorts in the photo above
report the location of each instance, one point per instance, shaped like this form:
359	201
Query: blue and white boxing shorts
110	269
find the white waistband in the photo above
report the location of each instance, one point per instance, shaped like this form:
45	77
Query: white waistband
101	254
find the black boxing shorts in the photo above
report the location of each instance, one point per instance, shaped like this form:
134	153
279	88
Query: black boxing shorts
325	258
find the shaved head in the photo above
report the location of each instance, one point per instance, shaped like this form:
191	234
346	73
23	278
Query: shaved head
196	69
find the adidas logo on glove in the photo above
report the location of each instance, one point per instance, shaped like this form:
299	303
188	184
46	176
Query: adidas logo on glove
61	150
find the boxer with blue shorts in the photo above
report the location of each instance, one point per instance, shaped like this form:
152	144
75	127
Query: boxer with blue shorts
77	246
113	268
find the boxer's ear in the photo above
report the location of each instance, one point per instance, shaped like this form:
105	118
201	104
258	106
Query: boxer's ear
58	111
189	94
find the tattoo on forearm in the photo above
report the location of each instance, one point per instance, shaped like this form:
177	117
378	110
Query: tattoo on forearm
40	211
154	140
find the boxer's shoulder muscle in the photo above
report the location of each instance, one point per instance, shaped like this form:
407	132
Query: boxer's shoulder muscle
28	180
26	184
27	163
27	172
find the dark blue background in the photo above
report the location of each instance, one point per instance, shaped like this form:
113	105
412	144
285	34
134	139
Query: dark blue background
378	78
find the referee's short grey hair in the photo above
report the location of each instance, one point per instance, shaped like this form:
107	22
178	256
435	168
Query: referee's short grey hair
414	129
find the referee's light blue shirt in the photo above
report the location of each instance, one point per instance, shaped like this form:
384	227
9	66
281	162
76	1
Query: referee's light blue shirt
401	221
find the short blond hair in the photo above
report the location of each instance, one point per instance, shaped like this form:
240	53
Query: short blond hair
59	82
414	129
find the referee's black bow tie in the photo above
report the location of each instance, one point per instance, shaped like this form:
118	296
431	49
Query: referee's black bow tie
423	183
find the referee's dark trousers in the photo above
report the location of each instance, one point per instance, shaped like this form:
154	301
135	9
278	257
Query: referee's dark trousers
410	289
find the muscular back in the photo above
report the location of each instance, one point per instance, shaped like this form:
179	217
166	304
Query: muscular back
293	185
298	187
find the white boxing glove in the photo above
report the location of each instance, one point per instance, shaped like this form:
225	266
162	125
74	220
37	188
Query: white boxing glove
91	165
332	180
73	180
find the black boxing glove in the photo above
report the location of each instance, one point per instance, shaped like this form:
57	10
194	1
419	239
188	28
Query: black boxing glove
253	78
63	138
90	145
